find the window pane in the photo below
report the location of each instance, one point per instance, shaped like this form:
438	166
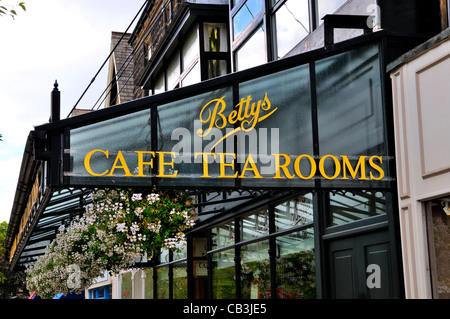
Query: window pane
173	72
255	225
159	85
181	251
252	53
179	281
255	271
348	207
224	286
296	275
223	235
328	7
126	286
349	102
215	37
164	256
295	212
216	68
190	49
193	76
149	283
163	282
245	15
291	23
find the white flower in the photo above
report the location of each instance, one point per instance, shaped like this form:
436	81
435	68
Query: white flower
121	227
136	197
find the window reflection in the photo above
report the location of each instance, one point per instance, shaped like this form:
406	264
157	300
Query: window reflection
252	53
163	282
328	6
215	35
223	281
291	25
346	207
296	212
255	271
245	15
180	281
255	225
296	275
222	235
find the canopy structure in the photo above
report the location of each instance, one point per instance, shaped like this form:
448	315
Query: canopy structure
227	141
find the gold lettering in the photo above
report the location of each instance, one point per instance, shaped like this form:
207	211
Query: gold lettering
212	117
376	167
283	167
163	163
253	167
205	162
87	162
223	165
297	166
322	167
141	162
361	164
121	159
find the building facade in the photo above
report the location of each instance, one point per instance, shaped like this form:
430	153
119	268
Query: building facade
420	92
278	117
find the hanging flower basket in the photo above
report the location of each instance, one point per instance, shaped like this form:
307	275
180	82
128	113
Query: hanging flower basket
119	227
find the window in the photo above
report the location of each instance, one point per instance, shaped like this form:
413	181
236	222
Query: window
126	286
215	37
266	30
290	25
252	52
276	240
185	67
328	7
245	15
104	292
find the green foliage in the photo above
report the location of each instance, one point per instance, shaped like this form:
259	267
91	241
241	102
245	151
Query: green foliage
11	281
119	228
11	10
3	229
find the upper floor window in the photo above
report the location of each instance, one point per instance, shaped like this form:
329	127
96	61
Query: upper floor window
266	30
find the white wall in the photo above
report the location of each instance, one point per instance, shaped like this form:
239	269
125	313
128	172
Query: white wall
421	96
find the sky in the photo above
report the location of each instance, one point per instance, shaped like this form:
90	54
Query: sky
63	40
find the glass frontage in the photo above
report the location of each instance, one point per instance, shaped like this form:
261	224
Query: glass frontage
296	268
278	239
162	286
223	275
255	270
266	125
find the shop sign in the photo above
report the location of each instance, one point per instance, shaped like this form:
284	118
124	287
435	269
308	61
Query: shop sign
246	115
267	131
